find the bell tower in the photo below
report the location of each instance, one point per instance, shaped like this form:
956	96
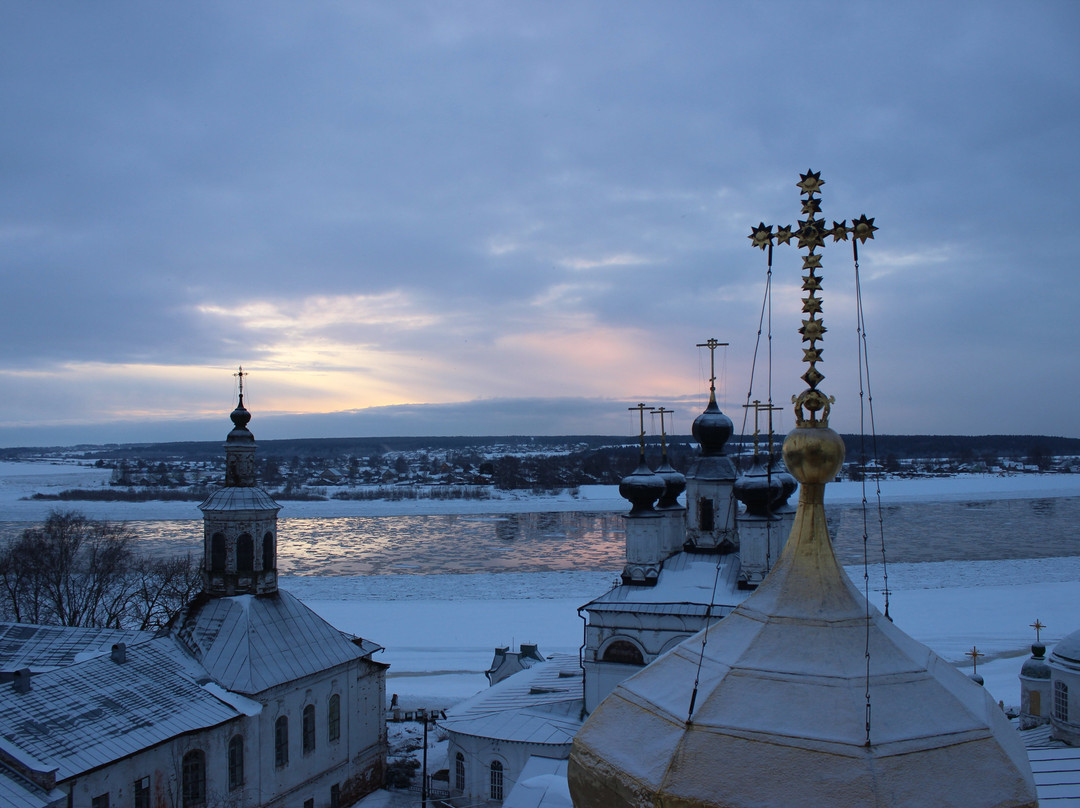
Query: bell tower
239	520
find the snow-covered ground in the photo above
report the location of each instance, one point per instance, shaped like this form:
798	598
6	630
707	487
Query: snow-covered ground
440	631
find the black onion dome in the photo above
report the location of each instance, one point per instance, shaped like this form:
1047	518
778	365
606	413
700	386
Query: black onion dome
757	489
674	484
1035	666
642	487
712	429
788	482
240	418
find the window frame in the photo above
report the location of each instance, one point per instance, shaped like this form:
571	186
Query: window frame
193	779
236	762
459	772
281	742
333	718
496	780
1061	701
307	729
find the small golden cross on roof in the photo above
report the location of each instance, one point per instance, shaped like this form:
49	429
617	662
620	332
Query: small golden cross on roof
641	436
712	344
661	411
1038	626
974	654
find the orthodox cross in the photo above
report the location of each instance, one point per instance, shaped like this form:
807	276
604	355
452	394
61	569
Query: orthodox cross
240	374
757	406
1038	626
712	344
974	654
663	433
641	434
811	234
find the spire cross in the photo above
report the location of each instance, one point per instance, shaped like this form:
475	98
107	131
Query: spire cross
1038	626
641	435
712	344
663	433
240	374
757	406
974	653
811	234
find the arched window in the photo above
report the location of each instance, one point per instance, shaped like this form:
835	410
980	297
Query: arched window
1061	701
245	553
308	729
496	780
281	742
333	718
705	514
236	762
623	652
217	552
268	551
193	776
459	773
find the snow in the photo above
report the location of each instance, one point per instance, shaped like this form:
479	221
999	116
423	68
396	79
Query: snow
440	631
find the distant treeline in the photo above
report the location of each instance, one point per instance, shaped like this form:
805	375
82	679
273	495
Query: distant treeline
900	446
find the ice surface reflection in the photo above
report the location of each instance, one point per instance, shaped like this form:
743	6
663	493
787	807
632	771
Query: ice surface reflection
536	542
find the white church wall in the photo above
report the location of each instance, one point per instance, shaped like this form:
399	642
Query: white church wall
160	768
349	765
480	753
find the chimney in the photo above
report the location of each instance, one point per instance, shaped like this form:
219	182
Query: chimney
119	653
22	680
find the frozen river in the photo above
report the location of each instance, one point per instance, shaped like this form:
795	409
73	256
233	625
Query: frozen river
962	530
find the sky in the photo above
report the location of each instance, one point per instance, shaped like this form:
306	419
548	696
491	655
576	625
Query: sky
431	218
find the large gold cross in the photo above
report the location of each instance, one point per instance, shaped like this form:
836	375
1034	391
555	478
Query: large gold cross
811	234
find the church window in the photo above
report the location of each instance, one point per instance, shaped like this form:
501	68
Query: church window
245	553
1061	701
100	801
308	728
142	792
333	717
281	742
705	514
193	775
236	762
623	652
496	780
459	773
217	552
335	795
268	551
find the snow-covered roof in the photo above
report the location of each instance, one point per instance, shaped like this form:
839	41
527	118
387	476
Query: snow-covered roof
250	643
88	714
42	648
239	498
1055	766
18	792
541	784
540	705
686	578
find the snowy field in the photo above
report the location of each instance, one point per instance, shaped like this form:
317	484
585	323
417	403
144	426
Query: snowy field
440	631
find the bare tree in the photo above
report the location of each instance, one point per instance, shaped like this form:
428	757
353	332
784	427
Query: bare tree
75	571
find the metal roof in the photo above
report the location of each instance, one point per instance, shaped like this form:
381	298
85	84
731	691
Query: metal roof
541	705
249	643
239	498
687	579
43	648
92	713
1055	766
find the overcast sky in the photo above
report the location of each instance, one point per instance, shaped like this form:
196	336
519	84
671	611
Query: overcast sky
515	217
